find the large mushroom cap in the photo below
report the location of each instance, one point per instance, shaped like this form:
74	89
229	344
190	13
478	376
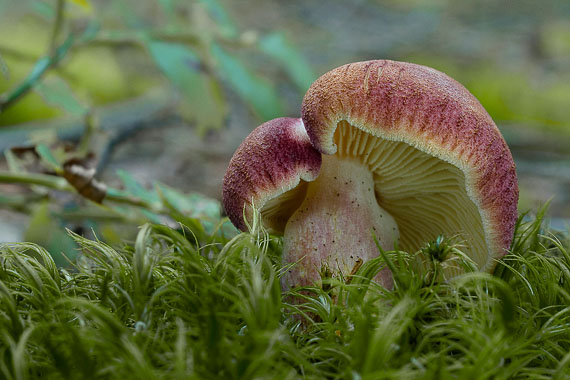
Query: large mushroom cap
439	163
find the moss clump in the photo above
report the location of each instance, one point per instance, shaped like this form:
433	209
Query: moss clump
165	308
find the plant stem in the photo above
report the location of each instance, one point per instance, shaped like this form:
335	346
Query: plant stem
39	70
55	54
57	26
118	196
129	38
61	184
49	181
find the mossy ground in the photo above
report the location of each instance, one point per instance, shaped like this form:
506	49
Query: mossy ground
170	307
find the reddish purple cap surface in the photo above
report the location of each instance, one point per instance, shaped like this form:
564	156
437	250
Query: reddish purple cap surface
271	161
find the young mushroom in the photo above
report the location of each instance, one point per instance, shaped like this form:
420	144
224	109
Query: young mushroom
274	162
407	154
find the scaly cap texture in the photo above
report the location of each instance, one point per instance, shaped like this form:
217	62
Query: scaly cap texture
432	112
270	161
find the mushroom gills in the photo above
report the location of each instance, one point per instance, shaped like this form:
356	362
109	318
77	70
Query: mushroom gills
426	196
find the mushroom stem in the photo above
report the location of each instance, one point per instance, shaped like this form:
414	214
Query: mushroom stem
334	226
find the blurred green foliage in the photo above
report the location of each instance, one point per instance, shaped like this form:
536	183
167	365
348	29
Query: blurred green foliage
65	60
198	58
511	95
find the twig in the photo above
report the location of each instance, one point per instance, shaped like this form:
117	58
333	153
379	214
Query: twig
118	196
91	128
39	70
55	53
57	26
49	181
119	118
128	38
136	38
59	183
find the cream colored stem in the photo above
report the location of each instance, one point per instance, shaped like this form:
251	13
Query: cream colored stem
334	226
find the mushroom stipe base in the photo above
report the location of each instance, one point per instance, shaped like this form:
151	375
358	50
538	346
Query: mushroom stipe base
334	225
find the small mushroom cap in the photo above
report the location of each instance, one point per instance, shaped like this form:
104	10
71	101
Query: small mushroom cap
270	164
417	111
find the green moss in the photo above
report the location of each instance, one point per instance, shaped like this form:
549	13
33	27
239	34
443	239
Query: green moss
166	308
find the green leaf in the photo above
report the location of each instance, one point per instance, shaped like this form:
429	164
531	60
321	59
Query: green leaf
196	211
203	99
48	158
57	93
13	162
192	205
134	188
219	14
256	91
278	47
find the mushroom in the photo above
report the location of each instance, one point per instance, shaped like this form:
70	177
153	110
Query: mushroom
270	170
408	154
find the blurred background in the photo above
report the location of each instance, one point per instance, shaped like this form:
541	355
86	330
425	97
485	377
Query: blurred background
141	103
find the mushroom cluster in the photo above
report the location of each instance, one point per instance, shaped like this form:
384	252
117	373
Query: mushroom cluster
388	149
